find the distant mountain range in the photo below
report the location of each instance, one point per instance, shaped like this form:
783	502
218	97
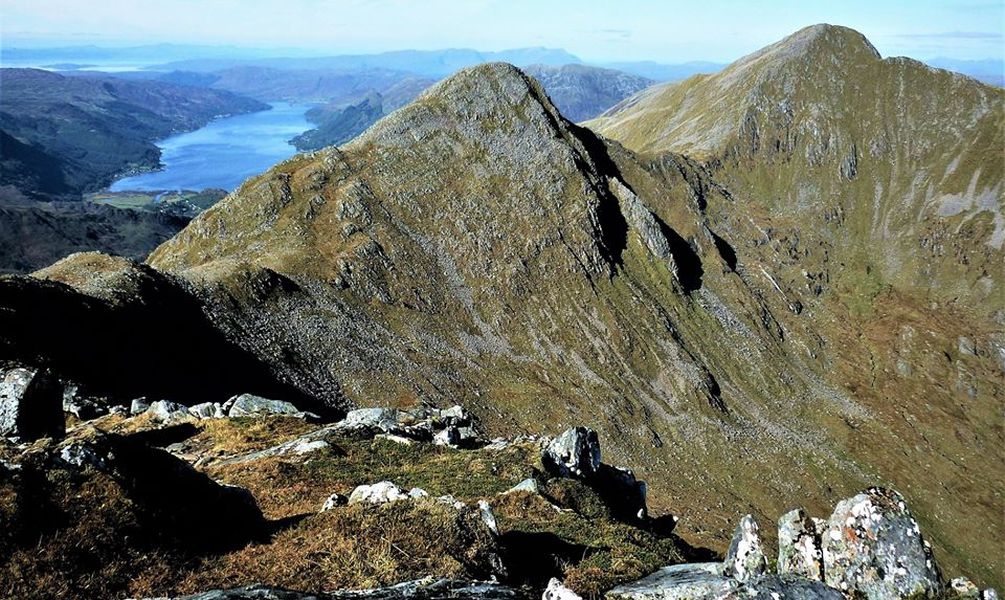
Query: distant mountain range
75	134
579	91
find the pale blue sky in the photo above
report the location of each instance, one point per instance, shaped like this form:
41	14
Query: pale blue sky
667	31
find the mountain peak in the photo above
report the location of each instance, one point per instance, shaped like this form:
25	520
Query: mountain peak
491	97
822	41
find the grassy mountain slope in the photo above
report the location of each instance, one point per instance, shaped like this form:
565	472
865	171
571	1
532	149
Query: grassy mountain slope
866	194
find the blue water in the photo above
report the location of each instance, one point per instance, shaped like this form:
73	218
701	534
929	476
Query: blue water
223	153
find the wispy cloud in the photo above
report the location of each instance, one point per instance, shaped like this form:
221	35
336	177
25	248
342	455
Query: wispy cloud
950	35
621	33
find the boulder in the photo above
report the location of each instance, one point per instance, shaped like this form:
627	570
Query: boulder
745	559
485	511
872	547
207	410
333	501
961	587
456	415
378	493
557	591
83	455
529	485
31	405
799	551
691	581
165	410
449	436
575	453
379	419
250	405
138	406
302	447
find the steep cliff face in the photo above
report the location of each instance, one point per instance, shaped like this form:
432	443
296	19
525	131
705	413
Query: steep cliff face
476	247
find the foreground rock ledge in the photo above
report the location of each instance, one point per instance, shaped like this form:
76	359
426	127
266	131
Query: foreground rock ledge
423	589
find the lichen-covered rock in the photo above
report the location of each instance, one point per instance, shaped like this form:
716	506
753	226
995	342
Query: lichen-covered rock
575	453
31	405
961	587
782	587
745	559
557	591
693	581
377	493
872	547
799	550
250	405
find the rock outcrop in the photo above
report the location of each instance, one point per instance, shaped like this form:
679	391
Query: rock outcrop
574	453
799	545
745	559
873	547
425	589
31	404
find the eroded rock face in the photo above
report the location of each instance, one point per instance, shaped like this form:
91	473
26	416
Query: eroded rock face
31	405
575	453
872	547
745	559
799	551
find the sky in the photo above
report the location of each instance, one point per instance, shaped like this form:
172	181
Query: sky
594	30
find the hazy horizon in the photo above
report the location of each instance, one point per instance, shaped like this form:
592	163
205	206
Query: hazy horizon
717	30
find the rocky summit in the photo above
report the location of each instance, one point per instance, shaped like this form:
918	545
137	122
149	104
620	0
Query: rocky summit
781	286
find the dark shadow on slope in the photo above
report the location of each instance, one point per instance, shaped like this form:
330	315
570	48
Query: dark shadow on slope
689	269
533	558
726	251
156	342
165	436
613	226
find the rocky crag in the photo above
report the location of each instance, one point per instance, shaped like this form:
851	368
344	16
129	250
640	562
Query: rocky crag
477	248
251	498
